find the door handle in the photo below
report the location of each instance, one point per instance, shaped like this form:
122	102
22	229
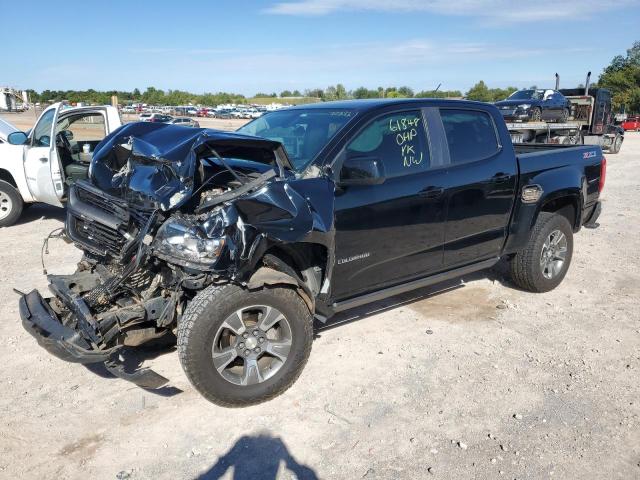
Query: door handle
431	192
500	178
44	159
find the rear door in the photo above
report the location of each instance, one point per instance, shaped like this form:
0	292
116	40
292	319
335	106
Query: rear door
392	231
480	188
40	156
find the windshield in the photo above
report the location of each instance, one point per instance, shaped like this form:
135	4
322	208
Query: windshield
303	132
527	95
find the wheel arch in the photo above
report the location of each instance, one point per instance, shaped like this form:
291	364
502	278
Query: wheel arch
300	264
565	205
7	177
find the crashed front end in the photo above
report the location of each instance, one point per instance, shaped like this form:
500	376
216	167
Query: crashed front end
158	223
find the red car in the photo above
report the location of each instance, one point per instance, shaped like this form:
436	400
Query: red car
632	123
202	112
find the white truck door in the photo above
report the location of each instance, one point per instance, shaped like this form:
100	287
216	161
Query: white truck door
39	156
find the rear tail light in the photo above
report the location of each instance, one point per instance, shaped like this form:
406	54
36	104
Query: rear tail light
603	173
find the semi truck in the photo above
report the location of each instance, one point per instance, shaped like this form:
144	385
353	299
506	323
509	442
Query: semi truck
590	122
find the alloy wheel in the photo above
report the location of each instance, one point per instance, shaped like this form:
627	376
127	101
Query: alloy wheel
553	255
252	345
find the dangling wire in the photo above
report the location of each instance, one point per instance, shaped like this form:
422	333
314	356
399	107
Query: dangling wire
57	233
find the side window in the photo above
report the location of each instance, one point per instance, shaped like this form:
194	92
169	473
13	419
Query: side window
471	135
42	131
397	139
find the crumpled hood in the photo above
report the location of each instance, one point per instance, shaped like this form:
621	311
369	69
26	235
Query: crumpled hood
152	165
515	103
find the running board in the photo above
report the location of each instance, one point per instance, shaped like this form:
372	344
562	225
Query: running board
413	285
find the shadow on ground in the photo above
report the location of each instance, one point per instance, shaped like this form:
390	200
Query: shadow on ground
258	456
499	273
41	211
133	359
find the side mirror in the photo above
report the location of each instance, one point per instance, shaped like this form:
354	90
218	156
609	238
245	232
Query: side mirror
17	138
362	171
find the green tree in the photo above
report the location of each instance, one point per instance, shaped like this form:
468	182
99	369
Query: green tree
479	92
622	77
286	93
341	92
405	92
363	92
439	94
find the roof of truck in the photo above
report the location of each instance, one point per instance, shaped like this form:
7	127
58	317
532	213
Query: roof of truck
375	103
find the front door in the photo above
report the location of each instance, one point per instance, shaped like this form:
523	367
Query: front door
481	184
392	231
39	154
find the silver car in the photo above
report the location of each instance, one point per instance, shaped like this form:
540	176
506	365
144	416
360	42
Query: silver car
185	122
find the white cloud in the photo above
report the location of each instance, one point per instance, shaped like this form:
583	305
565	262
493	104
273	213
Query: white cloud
492	11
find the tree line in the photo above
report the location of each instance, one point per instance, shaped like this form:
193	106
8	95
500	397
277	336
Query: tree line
155	96
622	77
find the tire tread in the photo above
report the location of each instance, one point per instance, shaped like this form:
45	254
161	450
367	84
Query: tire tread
227	293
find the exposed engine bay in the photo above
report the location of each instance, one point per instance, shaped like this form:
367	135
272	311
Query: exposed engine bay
166	212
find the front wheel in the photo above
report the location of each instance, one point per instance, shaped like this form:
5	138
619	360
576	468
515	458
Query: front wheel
11	204
544	262
241	347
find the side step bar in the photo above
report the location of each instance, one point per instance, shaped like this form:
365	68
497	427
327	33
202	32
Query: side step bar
413	285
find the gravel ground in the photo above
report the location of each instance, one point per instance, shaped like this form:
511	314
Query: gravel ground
472	379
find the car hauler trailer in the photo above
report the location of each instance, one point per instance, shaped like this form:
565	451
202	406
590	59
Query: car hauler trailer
590	122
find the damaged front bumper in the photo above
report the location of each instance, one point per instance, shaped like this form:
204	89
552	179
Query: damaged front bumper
59	340
76	344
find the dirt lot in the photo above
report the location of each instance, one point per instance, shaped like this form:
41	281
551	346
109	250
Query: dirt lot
469	380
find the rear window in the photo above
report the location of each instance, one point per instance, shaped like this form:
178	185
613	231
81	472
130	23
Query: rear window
471	135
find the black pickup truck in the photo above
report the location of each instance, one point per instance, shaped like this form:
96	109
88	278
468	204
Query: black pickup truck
235	242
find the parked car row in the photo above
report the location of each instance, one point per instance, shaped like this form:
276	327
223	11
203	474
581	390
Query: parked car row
248	113
220	111
160	118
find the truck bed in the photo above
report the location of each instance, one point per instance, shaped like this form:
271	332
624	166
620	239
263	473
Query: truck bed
557	163
523	148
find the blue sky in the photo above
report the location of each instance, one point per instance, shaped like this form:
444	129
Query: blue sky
248	46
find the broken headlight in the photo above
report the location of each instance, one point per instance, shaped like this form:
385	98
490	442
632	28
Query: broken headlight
185	242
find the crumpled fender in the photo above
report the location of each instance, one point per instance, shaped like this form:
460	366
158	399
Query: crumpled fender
280	213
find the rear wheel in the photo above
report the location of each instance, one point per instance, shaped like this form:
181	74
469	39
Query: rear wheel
616	144
536	114
11	204
543	263
241	347
564	116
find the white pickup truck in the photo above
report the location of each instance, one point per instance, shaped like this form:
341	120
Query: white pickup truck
40	164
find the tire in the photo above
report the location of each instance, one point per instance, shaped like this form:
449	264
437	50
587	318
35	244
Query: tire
11	204
536	114
616	145
527	269
564	116
203	328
